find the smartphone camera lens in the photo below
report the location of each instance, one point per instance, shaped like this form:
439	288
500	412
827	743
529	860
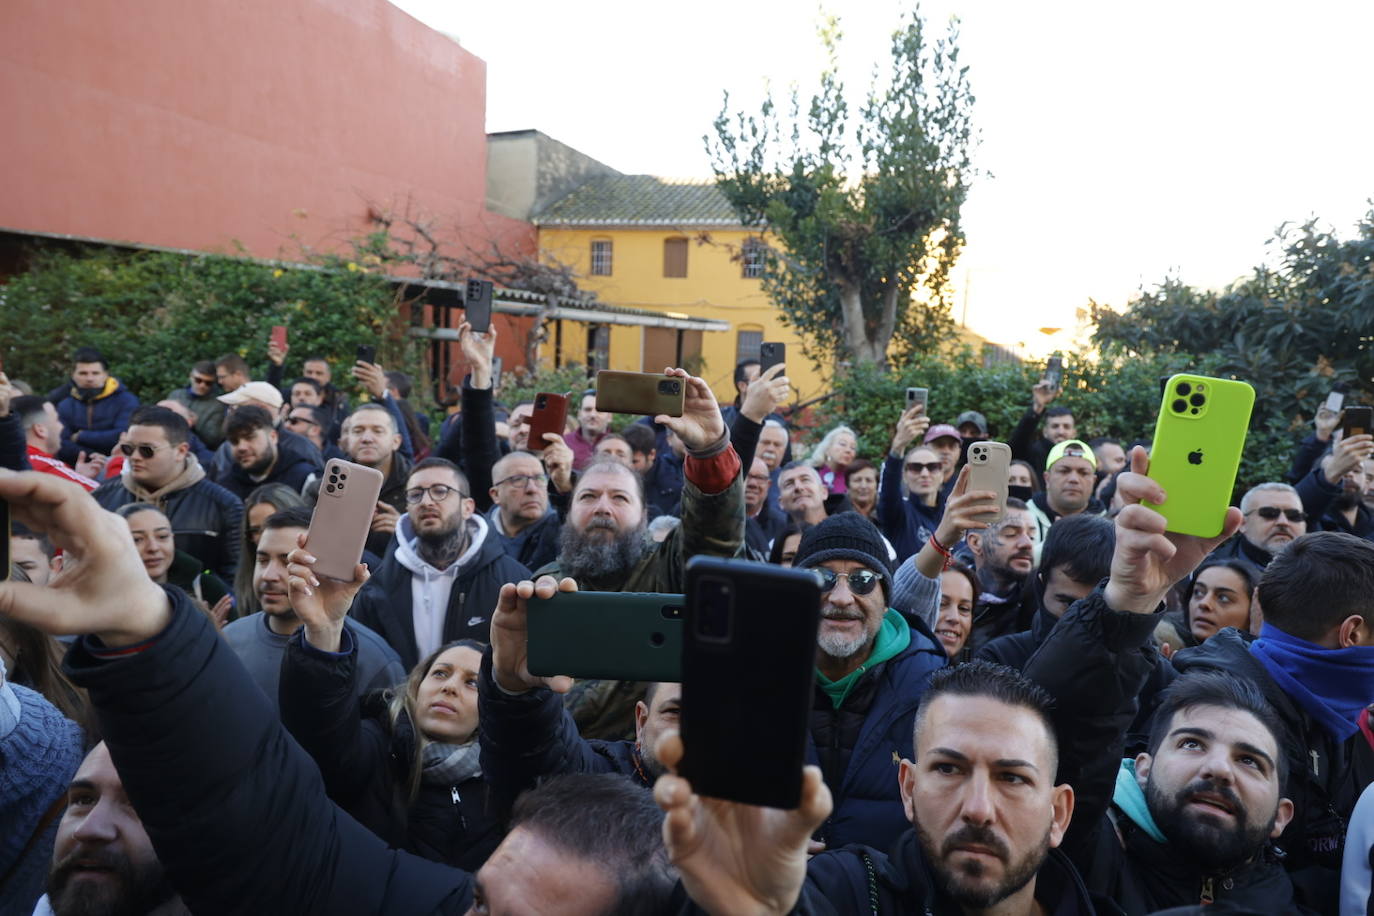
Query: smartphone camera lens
1184	389
330	488
714	610
669	386
656	640
541	402
1197	400
1180	405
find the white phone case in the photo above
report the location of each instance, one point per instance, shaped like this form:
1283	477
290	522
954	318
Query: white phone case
988	463
343	517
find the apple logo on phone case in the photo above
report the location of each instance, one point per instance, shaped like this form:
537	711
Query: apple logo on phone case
1195	456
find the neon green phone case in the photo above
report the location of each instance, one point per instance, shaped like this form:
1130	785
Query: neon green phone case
1199	438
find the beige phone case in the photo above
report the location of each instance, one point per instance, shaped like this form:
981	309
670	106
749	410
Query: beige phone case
343	517
988	463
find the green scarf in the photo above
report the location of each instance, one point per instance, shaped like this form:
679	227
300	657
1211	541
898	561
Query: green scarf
1130	798
893	637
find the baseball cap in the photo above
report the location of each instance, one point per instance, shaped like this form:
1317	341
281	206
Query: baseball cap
940	431
1071	448
262	392
974	417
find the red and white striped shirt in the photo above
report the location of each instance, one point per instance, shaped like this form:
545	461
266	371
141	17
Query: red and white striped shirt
42	461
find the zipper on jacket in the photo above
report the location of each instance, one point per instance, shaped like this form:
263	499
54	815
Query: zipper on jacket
1207	896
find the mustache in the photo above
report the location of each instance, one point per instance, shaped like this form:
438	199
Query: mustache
973	835
599	521
1208	787
84	857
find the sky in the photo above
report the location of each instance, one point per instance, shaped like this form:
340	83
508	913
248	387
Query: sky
1119	143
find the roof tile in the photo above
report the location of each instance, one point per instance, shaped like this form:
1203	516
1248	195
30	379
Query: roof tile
644	200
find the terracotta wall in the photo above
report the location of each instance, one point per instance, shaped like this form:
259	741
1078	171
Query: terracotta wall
199	125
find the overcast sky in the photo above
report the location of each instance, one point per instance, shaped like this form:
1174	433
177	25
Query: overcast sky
1121	142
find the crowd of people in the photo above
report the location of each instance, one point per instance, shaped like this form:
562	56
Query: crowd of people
1044	705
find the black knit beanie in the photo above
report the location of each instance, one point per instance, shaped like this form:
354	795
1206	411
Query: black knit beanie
847	536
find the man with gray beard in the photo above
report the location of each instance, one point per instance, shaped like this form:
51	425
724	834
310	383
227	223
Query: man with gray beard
604	548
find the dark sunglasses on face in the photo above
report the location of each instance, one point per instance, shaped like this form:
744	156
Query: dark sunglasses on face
1271	513
916	467
861	581
306	420
144	451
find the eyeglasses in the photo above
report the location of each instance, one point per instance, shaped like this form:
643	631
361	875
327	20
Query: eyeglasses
306	420
438	492
861	581
144	451
520	481
916	467
1271	513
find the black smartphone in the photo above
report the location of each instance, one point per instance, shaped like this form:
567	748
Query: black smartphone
1054	372
495	372
367	354
750	632
1357	421
770	354
618	636
477	305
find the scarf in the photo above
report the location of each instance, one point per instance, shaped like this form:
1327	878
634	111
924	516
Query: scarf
450	764
190	474
1332	685
1130	798
893	637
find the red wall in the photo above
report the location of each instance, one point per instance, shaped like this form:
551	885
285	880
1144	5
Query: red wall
196	125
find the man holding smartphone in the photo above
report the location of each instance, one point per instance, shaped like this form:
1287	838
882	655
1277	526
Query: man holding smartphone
1059	426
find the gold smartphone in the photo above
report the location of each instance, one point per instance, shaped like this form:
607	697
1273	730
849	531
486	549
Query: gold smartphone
644	393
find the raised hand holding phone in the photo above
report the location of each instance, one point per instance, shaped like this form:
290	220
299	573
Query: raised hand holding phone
510	636
765	393
322	604
342	518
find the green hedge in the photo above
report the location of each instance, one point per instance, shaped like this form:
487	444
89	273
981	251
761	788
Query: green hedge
1114	397
153	314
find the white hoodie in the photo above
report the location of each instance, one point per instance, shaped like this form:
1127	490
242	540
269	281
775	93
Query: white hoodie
429	587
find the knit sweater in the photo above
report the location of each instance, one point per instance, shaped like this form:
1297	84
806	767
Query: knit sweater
41	750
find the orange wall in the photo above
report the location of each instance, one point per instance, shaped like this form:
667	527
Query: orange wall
197	124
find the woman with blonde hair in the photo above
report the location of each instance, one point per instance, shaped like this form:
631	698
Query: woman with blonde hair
832	455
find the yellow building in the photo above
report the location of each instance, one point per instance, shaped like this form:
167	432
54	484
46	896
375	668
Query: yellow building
675	247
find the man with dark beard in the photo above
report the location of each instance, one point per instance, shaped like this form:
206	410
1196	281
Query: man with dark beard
442	580
1004	557
603	546
1332	493
103	862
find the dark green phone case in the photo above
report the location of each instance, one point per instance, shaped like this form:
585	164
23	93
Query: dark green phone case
621	636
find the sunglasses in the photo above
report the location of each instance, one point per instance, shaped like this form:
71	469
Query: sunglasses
1271	513
861	581
916	467
144	451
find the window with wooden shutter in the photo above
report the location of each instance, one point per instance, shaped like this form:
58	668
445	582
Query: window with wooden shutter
675	257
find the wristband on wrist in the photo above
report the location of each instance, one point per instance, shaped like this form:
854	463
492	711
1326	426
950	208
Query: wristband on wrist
943	551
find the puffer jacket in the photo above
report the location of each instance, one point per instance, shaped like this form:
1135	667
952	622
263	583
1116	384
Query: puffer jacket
366	762
99	417
297	461
205	518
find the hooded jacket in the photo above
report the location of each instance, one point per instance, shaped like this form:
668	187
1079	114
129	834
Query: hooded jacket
206	518
1325	776
366	761
95	418
907	522
209	410
386	603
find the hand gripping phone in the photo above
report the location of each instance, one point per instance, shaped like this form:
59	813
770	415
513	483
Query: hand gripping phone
550	415
619	636
750	632
640	393
1357	421
1199	438
1054	372
343	517
770	354
988	463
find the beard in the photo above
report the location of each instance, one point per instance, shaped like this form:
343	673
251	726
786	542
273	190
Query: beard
842	647
1201	838
588	555
967	883
260	466
1348	500
138	888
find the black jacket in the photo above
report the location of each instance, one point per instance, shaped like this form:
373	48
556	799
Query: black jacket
860	879
206	520
366	763
1325	776
225	794
530	736
1026	445
1095	663
994	619
385	602
297	461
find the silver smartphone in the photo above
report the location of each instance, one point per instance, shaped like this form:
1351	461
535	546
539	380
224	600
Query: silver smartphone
988	463
918	396
343	517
